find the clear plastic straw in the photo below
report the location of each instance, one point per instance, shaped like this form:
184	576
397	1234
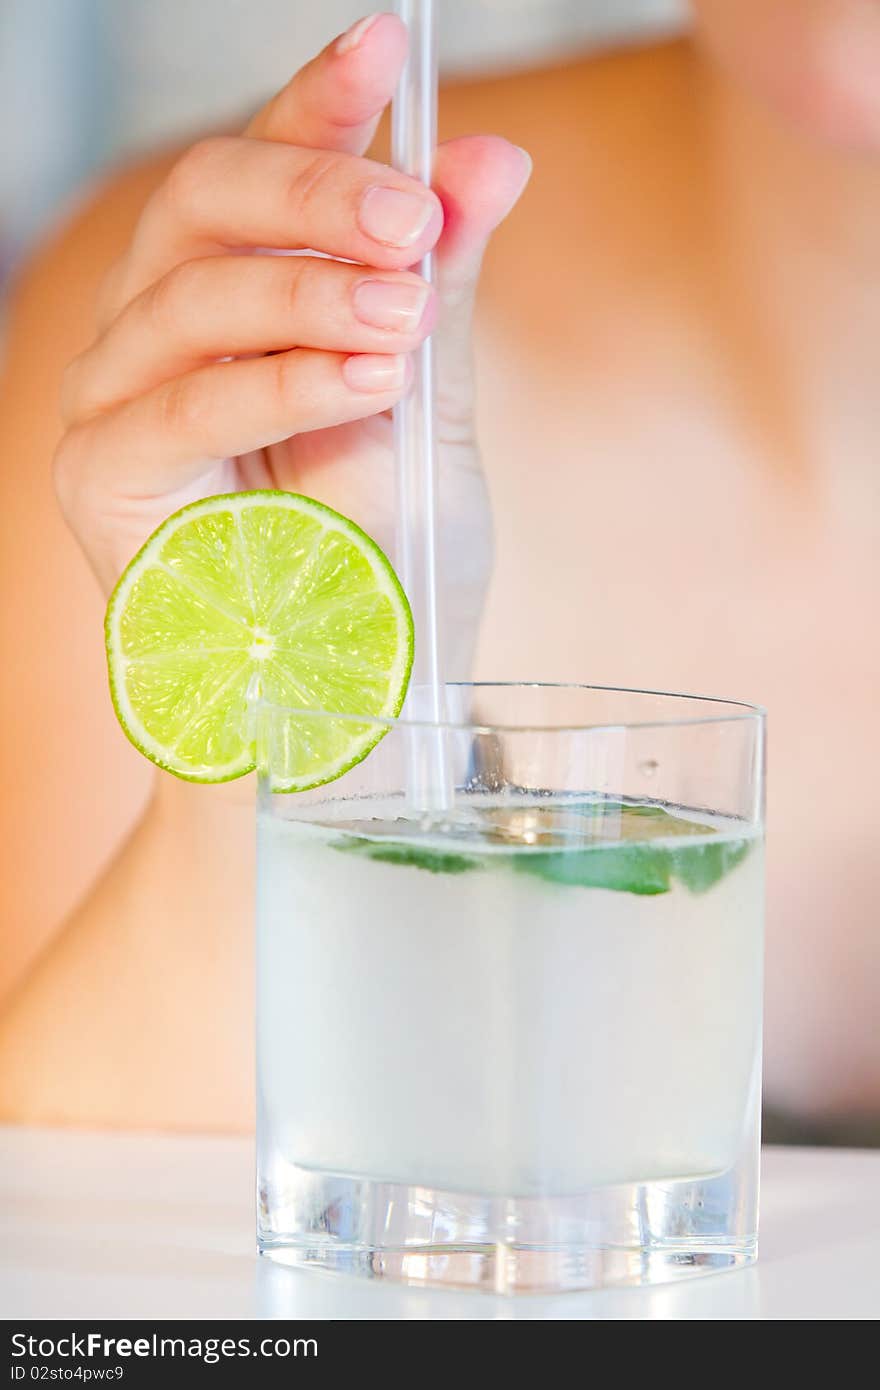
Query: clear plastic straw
413	142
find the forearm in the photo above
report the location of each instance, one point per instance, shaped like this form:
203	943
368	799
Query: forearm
140	1013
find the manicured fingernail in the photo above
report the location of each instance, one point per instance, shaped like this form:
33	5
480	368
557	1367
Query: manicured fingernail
394	217
352	37
528	165
373	373
382	304
519	188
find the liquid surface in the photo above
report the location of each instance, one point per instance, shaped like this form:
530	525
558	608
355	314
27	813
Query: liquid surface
634	847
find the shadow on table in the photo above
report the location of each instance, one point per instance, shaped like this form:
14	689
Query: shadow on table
777	1127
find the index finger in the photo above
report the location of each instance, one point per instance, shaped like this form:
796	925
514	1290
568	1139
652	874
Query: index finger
336	100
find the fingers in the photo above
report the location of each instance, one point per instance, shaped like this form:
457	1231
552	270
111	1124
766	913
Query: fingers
236	192
164	439
334	102
232	306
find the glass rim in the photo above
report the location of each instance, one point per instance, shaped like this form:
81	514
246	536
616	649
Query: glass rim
741	711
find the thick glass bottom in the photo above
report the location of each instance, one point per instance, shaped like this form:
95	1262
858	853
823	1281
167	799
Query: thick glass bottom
631	1233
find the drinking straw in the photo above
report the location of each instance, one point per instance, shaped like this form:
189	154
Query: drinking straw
413	141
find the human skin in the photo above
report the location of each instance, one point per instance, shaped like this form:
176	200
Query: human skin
676	359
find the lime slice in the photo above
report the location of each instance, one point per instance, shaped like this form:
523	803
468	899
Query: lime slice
257	595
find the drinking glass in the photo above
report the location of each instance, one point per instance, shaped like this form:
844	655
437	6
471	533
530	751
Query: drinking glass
514	1044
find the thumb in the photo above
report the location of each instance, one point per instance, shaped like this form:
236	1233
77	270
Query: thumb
478	179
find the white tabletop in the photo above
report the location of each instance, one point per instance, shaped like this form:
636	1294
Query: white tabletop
113	1226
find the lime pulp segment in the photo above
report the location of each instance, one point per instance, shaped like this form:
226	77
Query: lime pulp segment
257	595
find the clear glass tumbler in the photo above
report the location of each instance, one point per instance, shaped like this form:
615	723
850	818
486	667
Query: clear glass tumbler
515	1044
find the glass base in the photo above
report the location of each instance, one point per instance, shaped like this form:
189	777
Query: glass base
632	1233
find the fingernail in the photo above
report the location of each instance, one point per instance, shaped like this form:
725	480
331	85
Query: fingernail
374	373
394	217
397	306
528	165
520	187
352	37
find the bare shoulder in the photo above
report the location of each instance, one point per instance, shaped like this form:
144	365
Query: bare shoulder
55	728
617	89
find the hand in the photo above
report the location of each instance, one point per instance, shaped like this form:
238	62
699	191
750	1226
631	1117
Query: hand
215	370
